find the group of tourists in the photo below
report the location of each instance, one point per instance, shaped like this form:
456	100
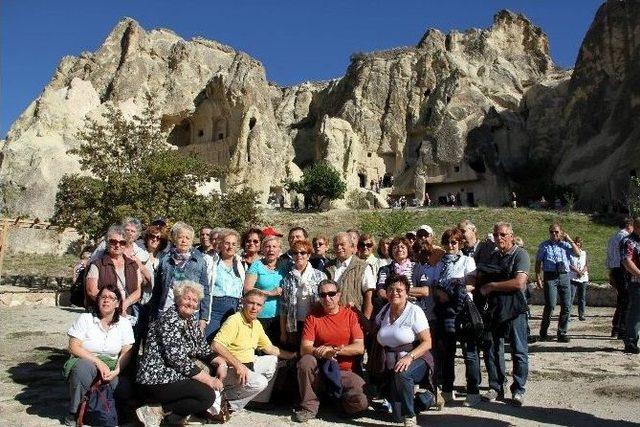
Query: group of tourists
206	329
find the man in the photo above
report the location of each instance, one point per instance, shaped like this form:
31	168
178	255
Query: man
616	277
508	306
250	376
331	336
319	258
285	261
553	258
424	234
479	251
631	263
352	274
205	246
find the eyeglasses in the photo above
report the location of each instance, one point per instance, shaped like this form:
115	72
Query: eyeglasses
319	244
496	235
363	245
329	294
395	290
452	242
254	241
114	242
107	298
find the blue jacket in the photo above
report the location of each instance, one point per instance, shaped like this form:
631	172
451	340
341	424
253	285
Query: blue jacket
195	269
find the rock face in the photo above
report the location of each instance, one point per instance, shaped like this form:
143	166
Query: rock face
473	113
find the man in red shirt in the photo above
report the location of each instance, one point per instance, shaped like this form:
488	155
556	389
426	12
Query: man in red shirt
331	339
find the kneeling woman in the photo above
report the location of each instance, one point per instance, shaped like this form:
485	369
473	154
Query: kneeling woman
404	334
100	344
167	373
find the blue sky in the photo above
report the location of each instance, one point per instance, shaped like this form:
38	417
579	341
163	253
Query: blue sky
295	40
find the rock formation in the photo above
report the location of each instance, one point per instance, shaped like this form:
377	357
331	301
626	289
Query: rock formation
478	112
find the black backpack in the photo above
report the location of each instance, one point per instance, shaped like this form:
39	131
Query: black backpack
76	296
98	407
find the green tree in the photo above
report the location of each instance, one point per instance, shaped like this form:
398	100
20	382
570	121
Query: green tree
129	170
319	182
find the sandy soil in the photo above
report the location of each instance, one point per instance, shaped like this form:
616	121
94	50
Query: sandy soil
587	382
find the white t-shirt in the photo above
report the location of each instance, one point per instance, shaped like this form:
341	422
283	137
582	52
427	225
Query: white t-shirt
579	263
368	281
109	342
403	331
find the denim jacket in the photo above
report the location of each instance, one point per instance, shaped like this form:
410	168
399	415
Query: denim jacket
195	269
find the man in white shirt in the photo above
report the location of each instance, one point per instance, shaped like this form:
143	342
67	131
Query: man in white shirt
616	277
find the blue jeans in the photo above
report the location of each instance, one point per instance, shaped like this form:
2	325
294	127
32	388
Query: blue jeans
633	315
558	286
494	356
579	291
221	308
447	356
401	396
471	355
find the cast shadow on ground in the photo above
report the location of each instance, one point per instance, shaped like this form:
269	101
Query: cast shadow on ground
556	416
533	349
45	393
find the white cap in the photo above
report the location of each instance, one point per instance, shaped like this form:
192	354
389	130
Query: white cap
425	228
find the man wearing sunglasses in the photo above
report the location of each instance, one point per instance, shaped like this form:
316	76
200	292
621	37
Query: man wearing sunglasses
331	339
554	259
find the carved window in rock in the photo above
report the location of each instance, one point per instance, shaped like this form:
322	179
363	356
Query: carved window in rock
363	180
181	134
220	131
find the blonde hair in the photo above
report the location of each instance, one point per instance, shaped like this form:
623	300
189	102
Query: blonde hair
182	287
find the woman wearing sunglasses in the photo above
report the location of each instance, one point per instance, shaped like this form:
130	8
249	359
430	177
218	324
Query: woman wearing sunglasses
366	250
155	241
251	247
299	293
115	268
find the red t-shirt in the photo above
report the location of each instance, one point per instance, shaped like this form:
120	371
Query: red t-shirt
337	329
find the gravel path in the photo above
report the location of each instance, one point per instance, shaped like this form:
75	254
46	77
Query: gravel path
587	382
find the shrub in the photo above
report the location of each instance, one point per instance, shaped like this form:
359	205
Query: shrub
356	199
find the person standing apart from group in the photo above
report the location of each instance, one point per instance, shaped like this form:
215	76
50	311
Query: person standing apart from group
552	260
631	263
579	276
616	277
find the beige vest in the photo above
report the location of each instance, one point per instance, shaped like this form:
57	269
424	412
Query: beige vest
350	282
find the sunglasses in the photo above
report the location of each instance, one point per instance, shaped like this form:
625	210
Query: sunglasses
501	234
114	242
368	245
255	241
154	237
329	294
301	253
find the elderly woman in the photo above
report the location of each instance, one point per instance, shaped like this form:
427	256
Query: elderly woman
265	275
251	247
400	249
168	375
365	251
115	268
100	344
299	294
182	262
404	335
456	279
155	241
226	283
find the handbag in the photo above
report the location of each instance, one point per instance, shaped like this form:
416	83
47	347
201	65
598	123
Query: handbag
469	324
98	406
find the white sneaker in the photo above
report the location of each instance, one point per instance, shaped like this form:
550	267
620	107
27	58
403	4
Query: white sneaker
410	422
150	416
472	400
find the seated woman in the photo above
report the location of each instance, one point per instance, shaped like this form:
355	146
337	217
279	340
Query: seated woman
168	374
100	344
299	294
402	325
115	268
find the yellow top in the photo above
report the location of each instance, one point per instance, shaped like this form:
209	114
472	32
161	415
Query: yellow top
242	338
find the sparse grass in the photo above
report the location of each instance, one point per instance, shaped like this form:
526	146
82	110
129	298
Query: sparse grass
568	376
39	265
24	334
620	392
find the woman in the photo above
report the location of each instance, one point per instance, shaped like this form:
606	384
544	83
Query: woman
155	241
365	251
226	283
400	249
299	294
401	324
251	246
455	280
100	344
579	276
265	275
319	258
168	374
383	251
115	268
182	262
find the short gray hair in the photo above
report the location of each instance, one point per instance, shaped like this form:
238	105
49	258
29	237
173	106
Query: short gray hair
180	227
346	235
505	224
467	223
226	232
182	287
115	230
135	221
269	239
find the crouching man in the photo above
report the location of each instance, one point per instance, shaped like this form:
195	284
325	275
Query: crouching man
331	339
250	377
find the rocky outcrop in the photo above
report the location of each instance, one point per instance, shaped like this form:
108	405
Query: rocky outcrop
476	112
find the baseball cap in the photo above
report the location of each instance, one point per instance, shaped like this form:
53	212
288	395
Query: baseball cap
270	231
426	228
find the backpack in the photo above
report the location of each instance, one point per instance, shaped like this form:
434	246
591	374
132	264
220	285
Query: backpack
98	406
76	296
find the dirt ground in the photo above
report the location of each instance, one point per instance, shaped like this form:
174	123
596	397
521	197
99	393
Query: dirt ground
587	382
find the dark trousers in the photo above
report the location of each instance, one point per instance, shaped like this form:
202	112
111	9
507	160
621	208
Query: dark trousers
633	316
556	287
447	362
271	326
617	280
402	386
494	356
221	308
353	399
183	398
